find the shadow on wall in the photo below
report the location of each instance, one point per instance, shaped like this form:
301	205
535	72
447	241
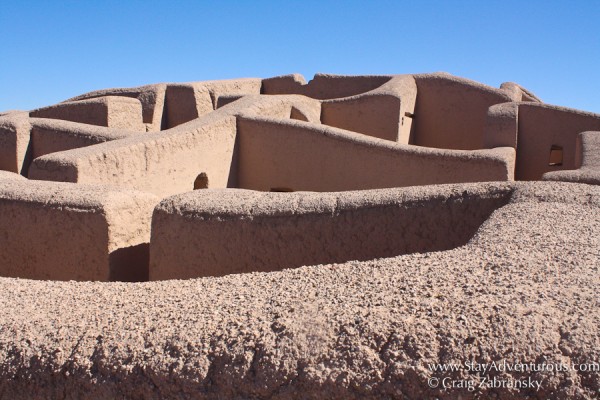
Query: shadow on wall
450	112
130	264
192	236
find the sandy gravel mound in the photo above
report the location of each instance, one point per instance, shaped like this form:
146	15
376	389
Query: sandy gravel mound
524	289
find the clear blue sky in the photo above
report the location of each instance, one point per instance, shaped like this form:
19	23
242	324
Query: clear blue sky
53	50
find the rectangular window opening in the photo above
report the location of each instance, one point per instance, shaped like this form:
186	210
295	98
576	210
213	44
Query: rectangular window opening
556	156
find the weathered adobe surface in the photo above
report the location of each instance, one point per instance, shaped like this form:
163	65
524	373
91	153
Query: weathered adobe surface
220	232
524	288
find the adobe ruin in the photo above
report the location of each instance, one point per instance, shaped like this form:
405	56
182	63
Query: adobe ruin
423	178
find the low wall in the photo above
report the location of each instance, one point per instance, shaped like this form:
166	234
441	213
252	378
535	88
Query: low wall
588	156
231	87
542	126
63	231
10	175
110	111
536	129
589	149
301	156
51	135
220	232
152	98
15	149
518	292
22	139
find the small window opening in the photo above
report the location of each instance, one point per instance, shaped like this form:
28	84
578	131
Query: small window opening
201	181
556	156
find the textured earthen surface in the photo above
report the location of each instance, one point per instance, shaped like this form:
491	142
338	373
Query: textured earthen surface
534	129
10	175
587	157
51	136
152	98
63	231
450	112
385	112
524	288
111	111
221	232
274	153
540	127
368	286
15	152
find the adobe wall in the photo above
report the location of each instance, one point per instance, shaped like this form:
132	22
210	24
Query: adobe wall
385	112
221	232
260	142
168	174
359	114
158	163
588	156
110	111
501	126
188	101
540	127
152	98
300	156
22	139
167	162
352	330
536	129
323	86
183	103
51	135
500	269
450	112
63	231
307	111
15	152
231	87
11	175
